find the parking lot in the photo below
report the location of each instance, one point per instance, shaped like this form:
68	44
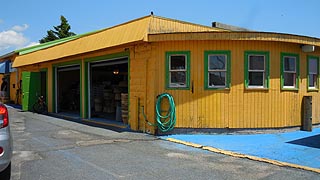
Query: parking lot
50	148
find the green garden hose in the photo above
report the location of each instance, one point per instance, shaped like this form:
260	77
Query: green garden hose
164	123
167	122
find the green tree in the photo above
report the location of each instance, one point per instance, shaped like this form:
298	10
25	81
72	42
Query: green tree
59	32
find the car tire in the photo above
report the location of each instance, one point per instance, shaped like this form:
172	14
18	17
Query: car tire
6	174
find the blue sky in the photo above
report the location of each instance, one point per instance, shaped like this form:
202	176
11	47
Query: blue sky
25	22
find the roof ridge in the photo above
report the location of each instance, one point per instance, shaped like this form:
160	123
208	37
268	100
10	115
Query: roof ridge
187	22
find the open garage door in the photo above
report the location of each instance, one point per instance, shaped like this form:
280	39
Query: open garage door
68	90
108	87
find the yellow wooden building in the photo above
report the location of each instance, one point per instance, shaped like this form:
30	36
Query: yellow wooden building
219	78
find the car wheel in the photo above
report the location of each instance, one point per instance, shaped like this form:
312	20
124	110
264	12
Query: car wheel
5	174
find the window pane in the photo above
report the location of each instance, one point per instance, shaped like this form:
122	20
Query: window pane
290	64
289	79
217	62
217	78
178	78
313	66
178	62
256	79
313	80
256	62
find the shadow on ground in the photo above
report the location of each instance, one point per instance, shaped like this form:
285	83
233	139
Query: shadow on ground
312	141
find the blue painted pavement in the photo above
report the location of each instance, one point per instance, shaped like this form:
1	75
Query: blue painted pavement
298	147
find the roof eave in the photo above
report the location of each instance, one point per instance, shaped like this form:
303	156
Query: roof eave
26	63
8	55
241	35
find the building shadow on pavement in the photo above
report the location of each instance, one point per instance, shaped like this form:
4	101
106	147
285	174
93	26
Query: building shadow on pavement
312	141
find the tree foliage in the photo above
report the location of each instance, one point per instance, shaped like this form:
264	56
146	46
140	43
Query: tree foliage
59	32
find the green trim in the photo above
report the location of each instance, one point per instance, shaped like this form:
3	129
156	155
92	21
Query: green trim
54	67
44	45
108	57
73	62
266	83
228	69
86	78
282	55
167	55
308	58
51	43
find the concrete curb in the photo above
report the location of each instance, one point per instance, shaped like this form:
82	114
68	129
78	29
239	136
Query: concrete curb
234	154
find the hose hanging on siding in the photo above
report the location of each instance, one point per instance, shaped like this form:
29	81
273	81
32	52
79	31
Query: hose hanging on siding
167	122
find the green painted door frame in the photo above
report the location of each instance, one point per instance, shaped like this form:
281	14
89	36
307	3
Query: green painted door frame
87	62
54	82
31	88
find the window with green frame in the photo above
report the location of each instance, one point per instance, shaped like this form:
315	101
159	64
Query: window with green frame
256	69
217	69
178	70
313	72
290	68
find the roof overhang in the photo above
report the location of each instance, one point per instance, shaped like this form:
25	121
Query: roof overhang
127	33
243	36
7	56
45	56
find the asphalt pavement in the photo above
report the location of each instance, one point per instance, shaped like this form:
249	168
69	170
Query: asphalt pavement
49	148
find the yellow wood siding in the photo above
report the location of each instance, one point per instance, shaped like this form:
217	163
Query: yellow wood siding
236	107
13	89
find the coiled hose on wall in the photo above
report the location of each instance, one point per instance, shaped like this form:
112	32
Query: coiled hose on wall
167	122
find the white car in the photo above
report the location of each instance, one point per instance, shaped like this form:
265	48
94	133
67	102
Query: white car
5	144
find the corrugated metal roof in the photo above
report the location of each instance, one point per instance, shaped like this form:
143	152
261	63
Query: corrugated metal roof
159	25
38	47
133	31
125	33
50	44
43	46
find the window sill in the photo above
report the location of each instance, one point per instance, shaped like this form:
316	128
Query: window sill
313	90
289	89
256	88
177	88
217	88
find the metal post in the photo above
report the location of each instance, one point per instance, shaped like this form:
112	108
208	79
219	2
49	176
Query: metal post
307	113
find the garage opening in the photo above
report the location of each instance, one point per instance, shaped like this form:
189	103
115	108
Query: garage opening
109	90
68	89
43	84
